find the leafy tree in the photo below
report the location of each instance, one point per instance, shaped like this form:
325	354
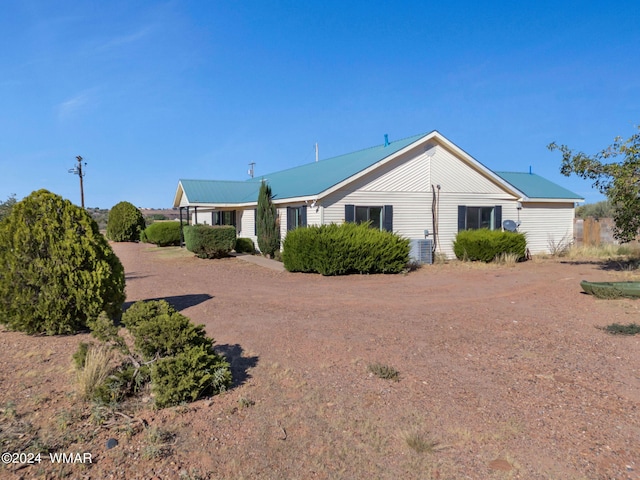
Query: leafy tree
58	273
619	181
7	205
267	224
125	223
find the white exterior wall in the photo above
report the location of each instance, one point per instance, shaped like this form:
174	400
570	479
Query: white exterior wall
245	220
545	224
403	183
408	188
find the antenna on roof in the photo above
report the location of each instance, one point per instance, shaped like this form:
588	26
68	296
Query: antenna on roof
250	172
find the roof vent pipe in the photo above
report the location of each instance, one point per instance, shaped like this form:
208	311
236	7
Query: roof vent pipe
386	140
530	170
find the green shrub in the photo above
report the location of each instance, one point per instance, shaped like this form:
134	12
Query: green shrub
245	245
171	354
343	249
125	223
210	242
162	234
193	373
485	245
159	330
57	271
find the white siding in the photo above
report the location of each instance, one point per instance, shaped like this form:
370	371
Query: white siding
246	224
448	214
456	176
545	224
407	185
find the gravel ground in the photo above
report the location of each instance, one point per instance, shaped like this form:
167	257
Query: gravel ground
503	373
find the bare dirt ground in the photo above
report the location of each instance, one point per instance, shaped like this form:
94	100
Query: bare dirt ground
503	374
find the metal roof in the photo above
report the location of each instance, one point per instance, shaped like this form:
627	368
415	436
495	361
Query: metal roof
535	186
314	178
219	191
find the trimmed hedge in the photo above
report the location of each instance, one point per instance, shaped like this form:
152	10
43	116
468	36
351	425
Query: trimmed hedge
245	245
162	234
485	245
125	223
58	273
344	249
210	242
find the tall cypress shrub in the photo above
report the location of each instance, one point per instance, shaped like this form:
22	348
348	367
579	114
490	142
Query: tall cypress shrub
267	225
57	272
125	223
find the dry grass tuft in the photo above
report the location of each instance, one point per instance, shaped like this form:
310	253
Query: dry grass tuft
419	441
386	372
96	370
507	259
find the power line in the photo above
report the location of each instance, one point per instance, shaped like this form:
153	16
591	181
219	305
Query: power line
78	171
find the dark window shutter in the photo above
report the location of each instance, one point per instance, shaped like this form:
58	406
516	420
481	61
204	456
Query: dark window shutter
233	219
462	217
349	213
213	218
289	218
497	217
303	216
387	219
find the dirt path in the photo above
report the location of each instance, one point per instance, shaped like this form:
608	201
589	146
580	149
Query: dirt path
503	374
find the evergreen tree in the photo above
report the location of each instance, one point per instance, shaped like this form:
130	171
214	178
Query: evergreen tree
267	224
125	223
58	272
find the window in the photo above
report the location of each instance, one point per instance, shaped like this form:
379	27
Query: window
296	217
226	217
473	218
370	214
380	217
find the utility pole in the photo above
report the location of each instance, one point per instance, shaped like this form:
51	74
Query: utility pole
78	171
251	165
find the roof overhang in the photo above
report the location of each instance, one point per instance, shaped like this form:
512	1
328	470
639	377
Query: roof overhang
550	200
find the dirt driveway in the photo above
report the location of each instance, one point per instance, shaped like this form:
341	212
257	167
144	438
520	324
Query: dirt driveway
503	374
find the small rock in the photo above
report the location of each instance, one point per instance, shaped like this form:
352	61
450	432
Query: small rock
112	442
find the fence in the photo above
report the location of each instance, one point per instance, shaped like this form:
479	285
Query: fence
593	231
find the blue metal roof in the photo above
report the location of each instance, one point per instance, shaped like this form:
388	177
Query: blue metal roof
534	186
220	191
314	178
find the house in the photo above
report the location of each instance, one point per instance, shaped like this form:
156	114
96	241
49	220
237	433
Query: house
420	187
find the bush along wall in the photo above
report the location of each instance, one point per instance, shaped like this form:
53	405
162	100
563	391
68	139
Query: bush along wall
58	272
170	355
210	242
485	245
245	245
344	249
163	234
125	223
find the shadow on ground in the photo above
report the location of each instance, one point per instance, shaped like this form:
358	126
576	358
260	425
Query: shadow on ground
239	364
626	265
179	302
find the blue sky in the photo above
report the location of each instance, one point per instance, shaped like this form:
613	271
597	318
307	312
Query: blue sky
149	92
